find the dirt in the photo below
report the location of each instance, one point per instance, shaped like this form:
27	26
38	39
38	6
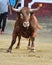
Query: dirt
22	56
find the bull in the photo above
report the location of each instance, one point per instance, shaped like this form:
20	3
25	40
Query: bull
24	26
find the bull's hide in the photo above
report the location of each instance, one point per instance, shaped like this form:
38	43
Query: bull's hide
25	31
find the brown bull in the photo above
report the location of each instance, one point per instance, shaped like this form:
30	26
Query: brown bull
24	26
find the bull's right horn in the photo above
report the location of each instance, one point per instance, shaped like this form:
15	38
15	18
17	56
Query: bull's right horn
16	10
36	9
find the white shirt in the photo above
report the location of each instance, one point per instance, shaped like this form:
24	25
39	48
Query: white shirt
22	4
19	1
4	6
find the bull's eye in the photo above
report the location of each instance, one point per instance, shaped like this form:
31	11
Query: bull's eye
21	16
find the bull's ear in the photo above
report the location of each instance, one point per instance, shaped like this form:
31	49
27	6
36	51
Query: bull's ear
32	12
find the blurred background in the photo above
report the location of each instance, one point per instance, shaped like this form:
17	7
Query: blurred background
45	10
44	15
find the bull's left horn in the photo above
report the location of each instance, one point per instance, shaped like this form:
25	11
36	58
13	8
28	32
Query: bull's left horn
16	10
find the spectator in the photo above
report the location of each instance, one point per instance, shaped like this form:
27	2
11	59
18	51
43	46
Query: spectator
19	4
3	14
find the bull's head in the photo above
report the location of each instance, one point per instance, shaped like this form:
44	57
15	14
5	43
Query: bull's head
25	13
26	16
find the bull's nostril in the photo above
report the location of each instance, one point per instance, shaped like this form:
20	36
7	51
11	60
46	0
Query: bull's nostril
26	24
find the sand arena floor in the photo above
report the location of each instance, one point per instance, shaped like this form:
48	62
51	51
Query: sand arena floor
22	56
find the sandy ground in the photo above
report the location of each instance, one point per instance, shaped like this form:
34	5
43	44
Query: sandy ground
22	56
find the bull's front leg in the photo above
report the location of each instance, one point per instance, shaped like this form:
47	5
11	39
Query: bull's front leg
32	45
18	44
33	39
29	44
12	43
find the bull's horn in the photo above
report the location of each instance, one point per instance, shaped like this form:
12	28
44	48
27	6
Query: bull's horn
16	10
36	9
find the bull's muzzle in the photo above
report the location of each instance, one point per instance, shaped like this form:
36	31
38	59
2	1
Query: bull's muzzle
26	24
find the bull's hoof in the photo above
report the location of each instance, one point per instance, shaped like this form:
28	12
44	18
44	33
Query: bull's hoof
9	50
32	48
28	47
17	47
